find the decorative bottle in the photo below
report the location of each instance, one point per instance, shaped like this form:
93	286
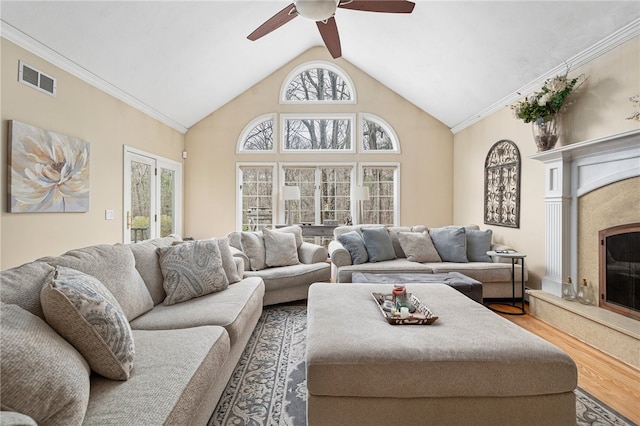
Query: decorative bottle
568	290
400	297
585	296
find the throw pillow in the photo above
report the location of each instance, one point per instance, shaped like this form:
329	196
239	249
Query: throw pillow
85	313
393	233
280	248
295	230
21	286
229	265
146	256
353	242
191	270
114	266
253	247
478	244
418	247
378	244
450	242
43	376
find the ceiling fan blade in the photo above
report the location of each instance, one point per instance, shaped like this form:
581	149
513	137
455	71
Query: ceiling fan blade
329	33
275	22
388	6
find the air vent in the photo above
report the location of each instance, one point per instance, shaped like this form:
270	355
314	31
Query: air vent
38	80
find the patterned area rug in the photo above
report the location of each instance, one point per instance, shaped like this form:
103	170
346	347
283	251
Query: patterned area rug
268	384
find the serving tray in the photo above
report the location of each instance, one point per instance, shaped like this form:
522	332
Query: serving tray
421	315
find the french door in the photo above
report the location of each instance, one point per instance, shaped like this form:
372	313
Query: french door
152	196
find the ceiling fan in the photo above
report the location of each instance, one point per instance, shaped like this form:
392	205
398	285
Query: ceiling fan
323	11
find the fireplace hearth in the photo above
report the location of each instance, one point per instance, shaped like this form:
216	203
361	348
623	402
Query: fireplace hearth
619	268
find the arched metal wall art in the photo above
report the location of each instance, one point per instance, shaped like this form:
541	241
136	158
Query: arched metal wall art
502	185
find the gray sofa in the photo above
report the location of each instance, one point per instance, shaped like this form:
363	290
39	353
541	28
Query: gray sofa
494	274
286	263
184	352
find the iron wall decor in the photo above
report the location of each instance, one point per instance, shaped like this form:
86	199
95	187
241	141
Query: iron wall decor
502	185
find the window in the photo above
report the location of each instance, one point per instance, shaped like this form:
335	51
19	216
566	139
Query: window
333	133
319	82
258	135
325	192
377	135
382	206
256	197
152	196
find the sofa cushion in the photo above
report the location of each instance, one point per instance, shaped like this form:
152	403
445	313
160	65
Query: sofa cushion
253	247
232	309
478	244
169	383
418	247
192	269
85	313
114	267
280	248
21	286
399	265
378	244
147	264
353	242
393	233
450	242
43	376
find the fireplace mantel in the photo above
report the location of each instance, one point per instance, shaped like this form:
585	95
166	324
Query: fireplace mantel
570	172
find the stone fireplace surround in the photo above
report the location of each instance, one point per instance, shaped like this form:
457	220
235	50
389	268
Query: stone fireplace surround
570	172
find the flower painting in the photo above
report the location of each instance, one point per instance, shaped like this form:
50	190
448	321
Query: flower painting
49	171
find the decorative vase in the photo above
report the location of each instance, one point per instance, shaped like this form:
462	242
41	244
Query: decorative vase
585	294
545	132
568	291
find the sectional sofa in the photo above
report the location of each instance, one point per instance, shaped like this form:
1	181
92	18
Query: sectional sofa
418	249
156	320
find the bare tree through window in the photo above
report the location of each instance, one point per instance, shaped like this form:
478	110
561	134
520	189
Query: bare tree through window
318	84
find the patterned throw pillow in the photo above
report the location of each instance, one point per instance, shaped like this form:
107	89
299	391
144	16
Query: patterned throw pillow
280	248
87	315
191	270
418	247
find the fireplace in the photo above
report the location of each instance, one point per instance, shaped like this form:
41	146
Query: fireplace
619	267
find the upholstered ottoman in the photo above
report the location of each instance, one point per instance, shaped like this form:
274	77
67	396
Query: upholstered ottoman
464	284
469	367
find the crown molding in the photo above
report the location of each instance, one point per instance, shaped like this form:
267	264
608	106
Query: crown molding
21	39
619	37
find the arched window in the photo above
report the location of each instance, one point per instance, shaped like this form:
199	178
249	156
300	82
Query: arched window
318	82
502	185
258	135
377	135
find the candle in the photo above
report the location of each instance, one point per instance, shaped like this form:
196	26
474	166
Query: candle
404	312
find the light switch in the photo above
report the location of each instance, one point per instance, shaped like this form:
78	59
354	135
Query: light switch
109	214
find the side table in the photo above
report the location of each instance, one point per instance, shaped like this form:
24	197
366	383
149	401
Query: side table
514	256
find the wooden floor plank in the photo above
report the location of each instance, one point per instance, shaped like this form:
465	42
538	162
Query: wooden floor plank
614	382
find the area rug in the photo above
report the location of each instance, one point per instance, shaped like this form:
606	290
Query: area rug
268	384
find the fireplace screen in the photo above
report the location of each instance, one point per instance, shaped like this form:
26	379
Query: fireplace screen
620	269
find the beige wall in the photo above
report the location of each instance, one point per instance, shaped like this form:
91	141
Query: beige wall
82	111
426	158
599	110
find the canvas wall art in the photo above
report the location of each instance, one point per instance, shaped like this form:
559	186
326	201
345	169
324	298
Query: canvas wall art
48	172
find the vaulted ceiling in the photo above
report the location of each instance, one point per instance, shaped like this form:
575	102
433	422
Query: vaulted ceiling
181	60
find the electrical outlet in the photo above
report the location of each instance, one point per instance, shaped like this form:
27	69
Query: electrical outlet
109	214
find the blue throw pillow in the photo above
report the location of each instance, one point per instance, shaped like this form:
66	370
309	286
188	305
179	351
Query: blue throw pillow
478	244
354	243
378	244
451	243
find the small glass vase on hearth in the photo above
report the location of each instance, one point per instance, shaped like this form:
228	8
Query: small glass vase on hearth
545	132
568	290
585	294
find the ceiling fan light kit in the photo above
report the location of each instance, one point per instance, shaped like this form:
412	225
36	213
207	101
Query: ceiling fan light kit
323	11
316	10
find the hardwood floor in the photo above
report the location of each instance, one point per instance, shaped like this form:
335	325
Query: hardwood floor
613	382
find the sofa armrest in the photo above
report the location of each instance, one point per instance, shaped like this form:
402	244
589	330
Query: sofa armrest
340	256
239	254
311	253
